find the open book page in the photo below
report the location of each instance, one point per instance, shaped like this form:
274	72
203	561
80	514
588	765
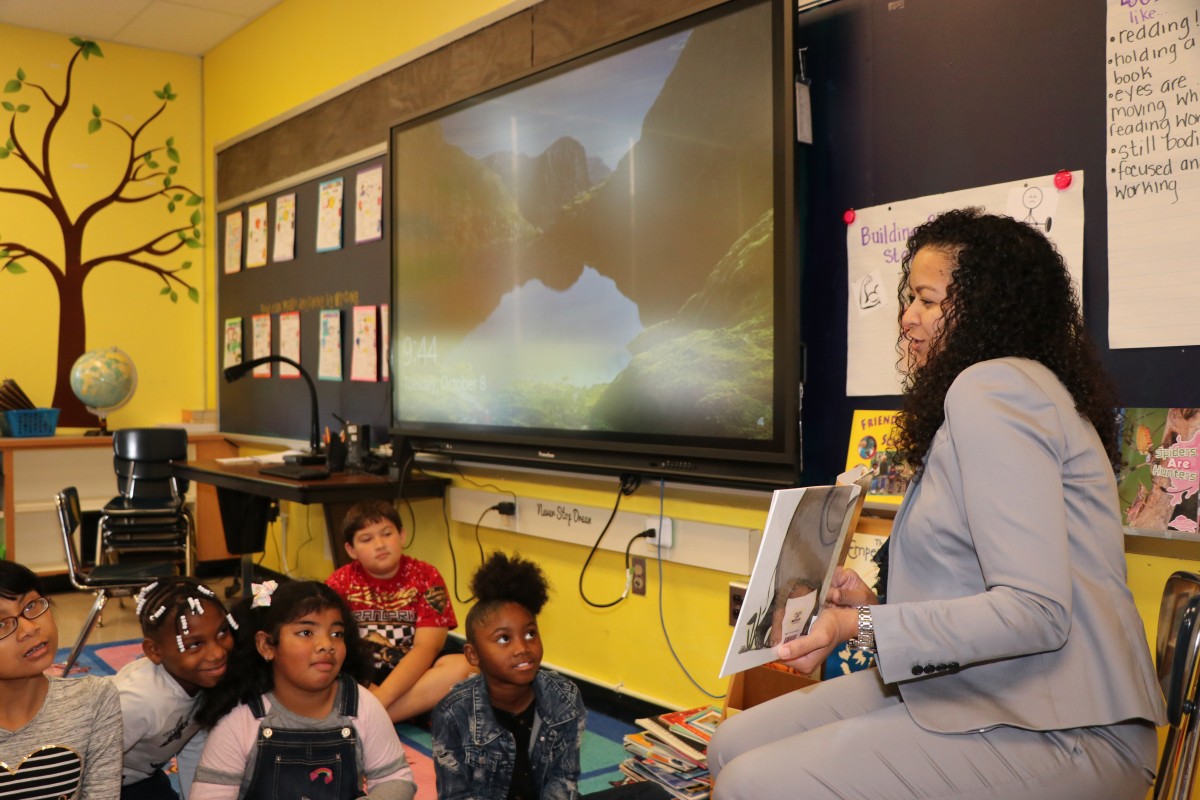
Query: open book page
803	542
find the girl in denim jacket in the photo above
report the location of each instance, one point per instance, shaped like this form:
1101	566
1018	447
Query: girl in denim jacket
512	731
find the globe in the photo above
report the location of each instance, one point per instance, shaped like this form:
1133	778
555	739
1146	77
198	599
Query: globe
104	380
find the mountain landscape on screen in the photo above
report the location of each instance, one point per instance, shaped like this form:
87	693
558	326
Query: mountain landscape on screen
594	250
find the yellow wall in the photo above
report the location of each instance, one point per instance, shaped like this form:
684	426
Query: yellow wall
621	647
123	305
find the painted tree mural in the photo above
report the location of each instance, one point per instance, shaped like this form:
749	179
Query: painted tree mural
27	164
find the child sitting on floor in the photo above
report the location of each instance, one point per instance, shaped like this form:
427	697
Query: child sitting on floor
490	718
514	730
59	737
403	612
187	639
304	727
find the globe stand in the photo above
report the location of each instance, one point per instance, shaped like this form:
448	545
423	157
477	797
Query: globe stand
102	431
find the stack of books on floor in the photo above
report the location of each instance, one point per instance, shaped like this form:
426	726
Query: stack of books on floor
671	750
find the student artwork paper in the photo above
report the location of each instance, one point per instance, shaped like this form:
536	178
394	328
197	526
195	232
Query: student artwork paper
329	216
329	364
233	342
875	243
260	343
285	228
1152	121
364	357
385	336
233	242
802	543
289	343
368	210
256	235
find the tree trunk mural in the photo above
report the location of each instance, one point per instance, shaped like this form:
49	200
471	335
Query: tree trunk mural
146	175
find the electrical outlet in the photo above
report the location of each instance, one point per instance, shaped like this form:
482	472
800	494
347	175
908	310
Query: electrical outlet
737	596
506	522
667	534
638	582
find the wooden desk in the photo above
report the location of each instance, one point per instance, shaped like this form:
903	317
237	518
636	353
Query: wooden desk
35	468
248	498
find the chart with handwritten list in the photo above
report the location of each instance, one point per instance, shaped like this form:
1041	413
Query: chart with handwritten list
1153	172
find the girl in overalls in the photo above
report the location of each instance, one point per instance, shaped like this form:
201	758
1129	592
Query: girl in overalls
290	720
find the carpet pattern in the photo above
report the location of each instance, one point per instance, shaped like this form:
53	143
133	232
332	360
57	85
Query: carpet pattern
600	756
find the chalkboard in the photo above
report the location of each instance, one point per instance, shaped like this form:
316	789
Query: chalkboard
352	275
918	97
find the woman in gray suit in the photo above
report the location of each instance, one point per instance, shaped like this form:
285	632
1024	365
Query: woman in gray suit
1012	662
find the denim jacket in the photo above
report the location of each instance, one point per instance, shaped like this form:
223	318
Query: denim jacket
474	756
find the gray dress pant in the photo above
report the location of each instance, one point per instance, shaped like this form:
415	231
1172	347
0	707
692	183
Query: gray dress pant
852	738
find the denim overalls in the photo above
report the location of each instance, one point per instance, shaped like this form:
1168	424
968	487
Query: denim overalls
308	764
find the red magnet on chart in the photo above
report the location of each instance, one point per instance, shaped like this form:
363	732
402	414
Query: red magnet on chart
1062	179
848	216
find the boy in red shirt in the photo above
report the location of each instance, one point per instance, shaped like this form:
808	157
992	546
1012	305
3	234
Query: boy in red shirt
403	612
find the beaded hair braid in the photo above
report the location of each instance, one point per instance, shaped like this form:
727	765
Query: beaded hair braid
177	599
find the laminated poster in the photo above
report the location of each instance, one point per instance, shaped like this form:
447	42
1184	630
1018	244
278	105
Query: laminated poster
260	343
285	228
364	357
256	235
233	242
329	365
289	343
1160	471
233	342
875	241
368	209
329	216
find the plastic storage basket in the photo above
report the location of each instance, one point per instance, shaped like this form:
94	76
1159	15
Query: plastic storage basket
36	422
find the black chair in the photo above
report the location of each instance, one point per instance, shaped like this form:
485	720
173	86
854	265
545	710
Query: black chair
1178	660
151	514
106	580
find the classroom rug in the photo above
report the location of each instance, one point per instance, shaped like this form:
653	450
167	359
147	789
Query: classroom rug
600	755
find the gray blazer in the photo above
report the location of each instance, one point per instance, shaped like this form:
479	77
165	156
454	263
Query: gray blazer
1007	602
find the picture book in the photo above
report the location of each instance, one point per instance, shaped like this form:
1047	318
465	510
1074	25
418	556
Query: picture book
805	539
670	751
872	445
1158	479
692	751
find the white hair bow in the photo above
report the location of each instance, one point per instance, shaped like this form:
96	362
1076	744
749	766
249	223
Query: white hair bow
262	593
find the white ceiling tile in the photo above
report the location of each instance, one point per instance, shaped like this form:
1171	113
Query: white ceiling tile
179	28
93	20
192	27
243	8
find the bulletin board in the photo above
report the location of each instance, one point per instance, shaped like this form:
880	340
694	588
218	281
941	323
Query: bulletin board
317	279
919	97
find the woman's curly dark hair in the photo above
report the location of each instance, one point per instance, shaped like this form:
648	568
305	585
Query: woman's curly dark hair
248	674
501	580
1009	295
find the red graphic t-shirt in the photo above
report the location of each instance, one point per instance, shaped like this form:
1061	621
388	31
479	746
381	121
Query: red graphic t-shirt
390	611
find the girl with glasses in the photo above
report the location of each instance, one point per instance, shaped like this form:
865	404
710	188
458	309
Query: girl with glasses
60	736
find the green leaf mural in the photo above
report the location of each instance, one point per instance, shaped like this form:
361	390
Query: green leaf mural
31	157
